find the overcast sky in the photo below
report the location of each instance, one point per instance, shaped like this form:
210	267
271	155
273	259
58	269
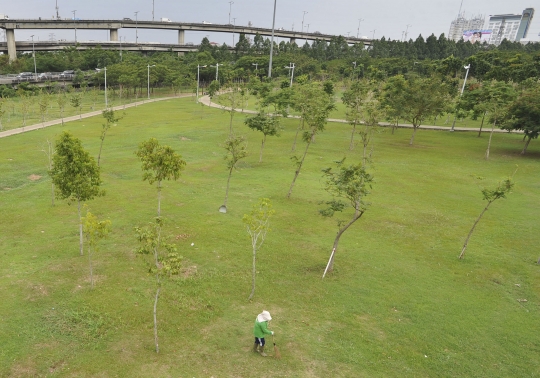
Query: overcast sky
387	18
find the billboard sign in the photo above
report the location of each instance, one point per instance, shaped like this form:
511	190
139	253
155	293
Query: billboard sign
477	35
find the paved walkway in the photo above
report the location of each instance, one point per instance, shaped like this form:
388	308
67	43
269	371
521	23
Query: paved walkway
206	101
38	126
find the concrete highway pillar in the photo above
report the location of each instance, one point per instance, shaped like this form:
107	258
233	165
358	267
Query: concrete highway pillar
113	35
12	49
181	37
292	40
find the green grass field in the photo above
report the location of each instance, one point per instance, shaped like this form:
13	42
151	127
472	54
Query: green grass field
398	304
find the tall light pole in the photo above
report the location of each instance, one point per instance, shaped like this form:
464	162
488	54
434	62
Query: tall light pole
106	101
57	14
358	32
407	32
217	69
461	94
136	28
75	22
272	42
234	26
34	54
373	33
303	20
290	67
153	65
230	8
152	10
198	67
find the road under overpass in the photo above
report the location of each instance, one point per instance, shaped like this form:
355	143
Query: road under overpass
181	27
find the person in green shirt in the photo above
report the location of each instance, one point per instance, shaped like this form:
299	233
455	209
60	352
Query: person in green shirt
260	330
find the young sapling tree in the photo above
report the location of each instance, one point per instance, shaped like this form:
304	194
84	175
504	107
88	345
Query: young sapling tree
49	151
161	263
110	119
76	101
502	189
236	148
61	100
75	175
159	163
349	186
257	225
95	230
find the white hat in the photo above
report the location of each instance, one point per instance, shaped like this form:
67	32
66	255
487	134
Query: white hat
264	316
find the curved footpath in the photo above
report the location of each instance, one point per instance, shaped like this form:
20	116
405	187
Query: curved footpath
38	126
206	101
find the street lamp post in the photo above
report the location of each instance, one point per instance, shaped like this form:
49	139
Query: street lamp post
106	100
373	34
461	94
153	65
34	54
358	32
290	67
407	31
137	28
198	68
234	26
217	69
75	22
303	20
152	10
230	8
272	42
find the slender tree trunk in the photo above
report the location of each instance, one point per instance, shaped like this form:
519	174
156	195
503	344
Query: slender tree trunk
299	167
156	341
253	273
489	142
462	255
525	146
230	124
52	194
351	145
413	134
227	190
300	127
159	199
100	148
481	125
395	126
262	147
91	272
356	216
80	228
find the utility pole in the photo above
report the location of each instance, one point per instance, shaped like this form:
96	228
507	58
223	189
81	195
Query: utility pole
373	33
407	32
303	20
358	32
461	94
230	8
272	42
57	13
137	28
234	26
34	54
153	10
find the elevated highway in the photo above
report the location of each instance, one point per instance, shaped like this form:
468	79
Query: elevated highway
180	27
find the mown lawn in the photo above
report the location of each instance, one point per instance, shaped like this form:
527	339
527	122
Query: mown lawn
398	304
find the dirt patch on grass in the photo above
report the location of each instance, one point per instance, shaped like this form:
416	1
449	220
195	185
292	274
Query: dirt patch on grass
189	271
34	177
36	291
184	138
23	370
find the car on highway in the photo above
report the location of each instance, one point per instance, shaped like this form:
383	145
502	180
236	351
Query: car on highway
127	19
67	74
45	76
25	76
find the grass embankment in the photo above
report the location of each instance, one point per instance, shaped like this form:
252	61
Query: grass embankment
91	100
399	303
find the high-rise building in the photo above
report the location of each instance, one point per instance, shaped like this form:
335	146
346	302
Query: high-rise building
461	24
512	27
